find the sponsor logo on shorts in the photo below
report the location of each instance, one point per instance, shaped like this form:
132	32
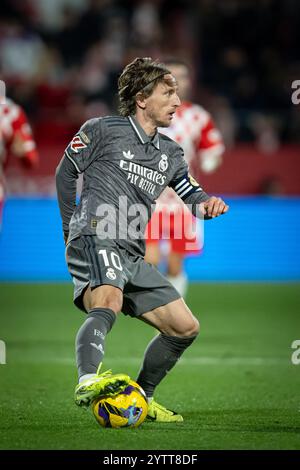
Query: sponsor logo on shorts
110	273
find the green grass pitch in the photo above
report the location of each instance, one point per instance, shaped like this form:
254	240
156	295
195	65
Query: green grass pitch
236	386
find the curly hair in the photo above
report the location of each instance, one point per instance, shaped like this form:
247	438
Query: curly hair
141	75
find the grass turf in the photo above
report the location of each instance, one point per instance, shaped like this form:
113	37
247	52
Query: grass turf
236	385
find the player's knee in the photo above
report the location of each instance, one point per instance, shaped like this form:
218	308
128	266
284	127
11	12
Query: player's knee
193	328
113	304
106	300
187	330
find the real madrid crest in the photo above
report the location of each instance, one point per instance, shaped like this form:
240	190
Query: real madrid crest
110	273
163	164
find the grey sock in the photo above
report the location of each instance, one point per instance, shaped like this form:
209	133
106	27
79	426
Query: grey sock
160	356
90	339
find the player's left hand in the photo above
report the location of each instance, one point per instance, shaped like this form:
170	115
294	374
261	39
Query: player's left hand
214	207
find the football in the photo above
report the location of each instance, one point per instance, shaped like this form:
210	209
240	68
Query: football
127	409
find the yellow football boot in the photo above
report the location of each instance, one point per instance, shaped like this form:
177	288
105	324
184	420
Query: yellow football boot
161	414
105	384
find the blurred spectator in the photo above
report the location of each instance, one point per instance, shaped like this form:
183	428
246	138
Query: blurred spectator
21	52
271	186
225	119
50	15
265	130
56	53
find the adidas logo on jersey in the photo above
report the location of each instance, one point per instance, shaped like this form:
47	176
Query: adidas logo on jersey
128	155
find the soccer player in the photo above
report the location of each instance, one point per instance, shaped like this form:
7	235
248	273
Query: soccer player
126	164
15	138
193	129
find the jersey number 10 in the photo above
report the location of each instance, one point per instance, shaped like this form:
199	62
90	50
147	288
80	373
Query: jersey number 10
114	259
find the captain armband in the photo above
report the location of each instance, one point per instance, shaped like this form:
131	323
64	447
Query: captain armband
185	186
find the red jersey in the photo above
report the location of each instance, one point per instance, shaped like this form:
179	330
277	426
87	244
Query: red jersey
15	138
193	129
14	127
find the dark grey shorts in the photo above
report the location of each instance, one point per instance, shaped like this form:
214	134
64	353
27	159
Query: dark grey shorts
94	262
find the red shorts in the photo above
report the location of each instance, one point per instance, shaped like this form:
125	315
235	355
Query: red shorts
179	228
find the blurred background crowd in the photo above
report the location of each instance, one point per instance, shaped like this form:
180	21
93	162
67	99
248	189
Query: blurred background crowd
60	60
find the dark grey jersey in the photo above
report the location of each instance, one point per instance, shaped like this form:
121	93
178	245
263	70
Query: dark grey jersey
124	172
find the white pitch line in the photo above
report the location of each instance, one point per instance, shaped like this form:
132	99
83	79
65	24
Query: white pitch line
192	361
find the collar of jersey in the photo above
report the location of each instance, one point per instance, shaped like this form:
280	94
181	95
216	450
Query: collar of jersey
143	137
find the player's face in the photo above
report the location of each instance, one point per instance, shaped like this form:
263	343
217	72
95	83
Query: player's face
163	102
182	76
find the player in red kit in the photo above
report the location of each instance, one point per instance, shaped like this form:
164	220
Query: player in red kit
15	139
193	129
